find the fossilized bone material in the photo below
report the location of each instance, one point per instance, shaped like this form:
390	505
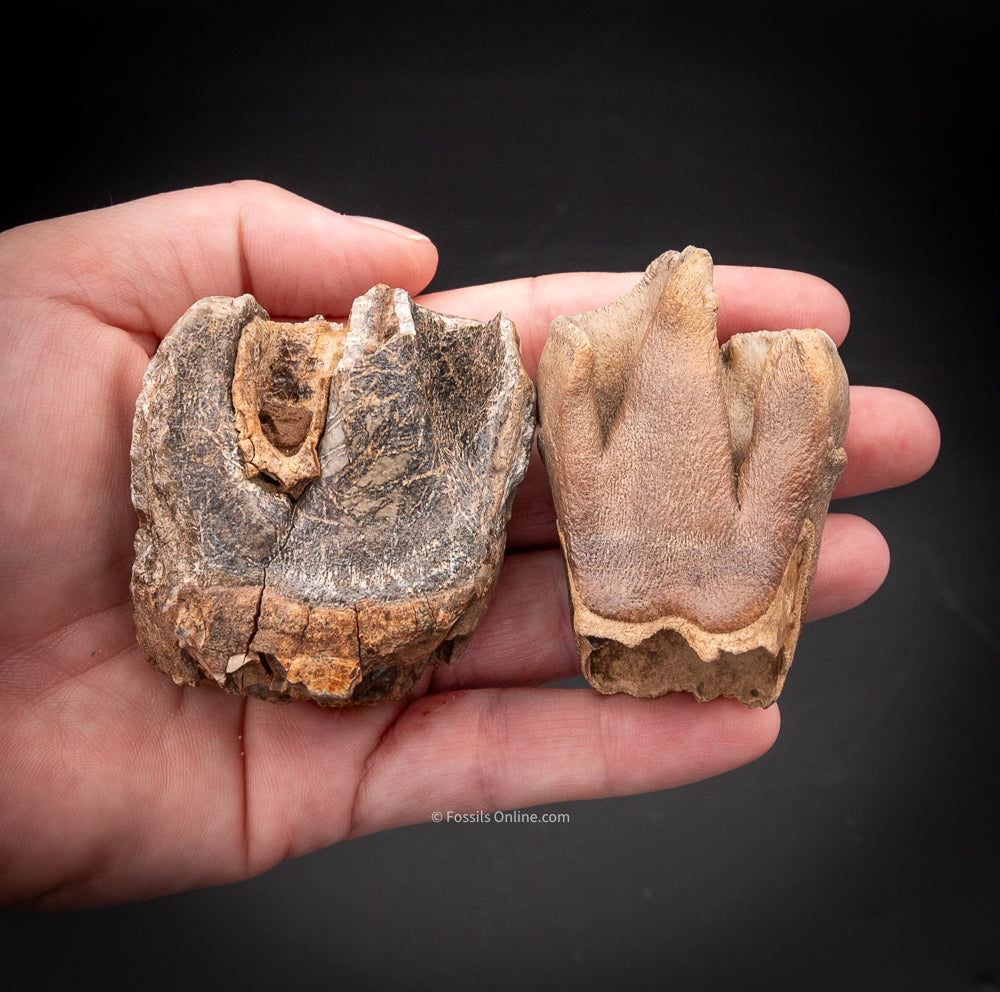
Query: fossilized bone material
322	509
691	485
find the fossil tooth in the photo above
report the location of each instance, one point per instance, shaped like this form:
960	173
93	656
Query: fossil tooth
322	509
691	485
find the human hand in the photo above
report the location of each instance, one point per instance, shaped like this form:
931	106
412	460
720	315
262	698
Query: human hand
118	785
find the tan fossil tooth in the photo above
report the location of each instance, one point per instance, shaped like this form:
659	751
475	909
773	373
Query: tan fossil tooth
691	485
322	509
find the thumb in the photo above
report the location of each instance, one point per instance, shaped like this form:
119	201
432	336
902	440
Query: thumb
302	259
140	265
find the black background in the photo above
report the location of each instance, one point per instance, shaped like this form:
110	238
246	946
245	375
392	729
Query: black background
851	140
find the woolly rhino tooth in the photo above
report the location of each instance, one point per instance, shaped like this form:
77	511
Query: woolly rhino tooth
691	485
322	509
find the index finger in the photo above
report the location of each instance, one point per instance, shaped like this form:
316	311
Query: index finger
750	299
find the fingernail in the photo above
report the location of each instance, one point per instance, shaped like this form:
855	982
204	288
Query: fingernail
386	225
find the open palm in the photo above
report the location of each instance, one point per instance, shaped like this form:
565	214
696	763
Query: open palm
115	784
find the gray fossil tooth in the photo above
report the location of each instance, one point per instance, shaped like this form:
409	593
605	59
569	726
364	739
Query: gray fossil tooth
322	508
